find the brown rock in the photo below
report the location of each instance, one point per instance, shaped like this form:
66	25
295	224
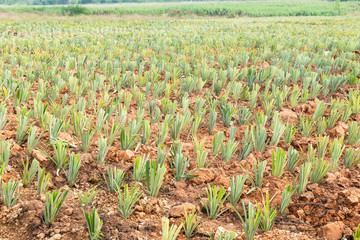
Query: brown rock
86	157
15	148
207	228
333	230
180	185
312	186
78	214
179	211
56	236
36	222
314	103
339	131
308	196
69	211
33	205
66	137
125	154
353	199
93	179
343	181
41	236
223	181
6	134
265	64
355	220
203	175
350	197
59	180
348	232
343	125
188	147
249	161
300	213
39	156
288	116
330	178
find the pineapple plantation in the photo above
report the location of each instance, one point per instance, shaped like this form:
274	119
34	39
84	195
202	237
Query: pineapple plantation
242	128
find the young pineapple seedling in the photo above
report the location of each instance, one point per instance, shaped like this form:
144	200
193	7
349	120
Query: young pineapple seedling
74	167
336	150
190	224
43	180
259	137
32	140
212	120
293	157
88	197
319	170
278	162
116	178
236	188
128	199
248	145
54	201
250	221
285	199
154	176
139	168
5	151
216	197
169	233
350	160
29	173
267	215
304	175
60	154
94	224
9	193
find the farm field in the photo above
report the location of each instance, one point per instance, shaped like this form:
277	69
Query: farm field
242	128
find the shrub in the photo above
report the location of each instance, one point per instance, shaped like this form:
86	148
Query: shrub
73	10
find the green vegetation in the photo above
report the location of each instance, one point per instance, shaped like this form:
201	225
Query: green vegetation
229	9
